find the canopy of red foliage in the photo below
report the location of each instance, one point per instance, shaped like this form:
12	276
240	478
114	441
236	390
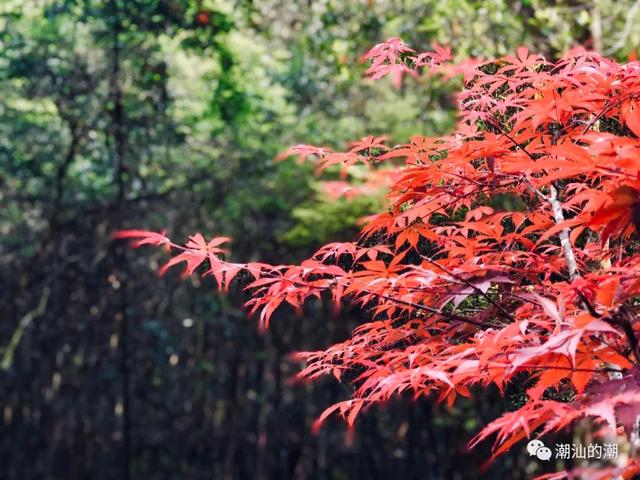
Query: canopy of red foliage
463	291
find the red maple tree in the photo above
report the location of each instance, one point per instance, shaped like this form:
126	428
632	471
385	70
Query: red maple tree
508	248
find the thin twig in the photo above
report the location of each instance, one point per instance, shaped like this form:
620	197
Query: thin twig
25	321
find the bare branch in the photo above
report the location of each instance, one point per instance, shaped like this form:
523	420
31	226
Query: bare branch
565	241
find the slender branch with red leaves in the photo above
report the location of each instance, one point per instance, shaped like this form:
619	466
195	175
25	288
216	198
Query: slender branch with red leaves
509	248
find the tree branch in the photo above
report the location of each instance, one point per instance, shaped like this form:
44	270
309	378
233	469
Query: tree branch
9	351
565	241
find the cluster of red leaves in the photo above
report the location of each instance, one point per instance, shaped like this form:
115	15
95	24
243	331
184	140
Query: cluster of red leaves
463	291
397	59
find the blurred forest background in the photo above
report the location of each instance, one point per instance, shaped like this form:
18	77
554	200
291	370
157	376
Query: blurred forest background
167	114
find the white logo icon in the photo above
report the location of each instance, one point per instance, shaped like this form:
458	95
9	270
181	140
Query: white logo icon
537	448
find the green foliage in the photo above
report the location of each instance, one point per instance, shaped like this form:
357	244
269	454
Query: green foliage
610	26
319	223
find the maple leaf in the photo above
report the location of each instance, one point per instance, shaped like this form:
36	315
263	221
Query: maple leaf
622	209
458	288
303	151
143	237
196	251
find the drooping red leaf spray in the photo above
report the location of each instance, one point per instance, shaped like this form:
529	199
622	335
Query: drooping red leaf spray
509	247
